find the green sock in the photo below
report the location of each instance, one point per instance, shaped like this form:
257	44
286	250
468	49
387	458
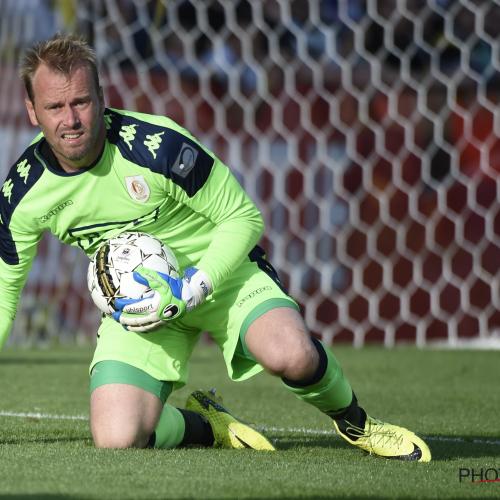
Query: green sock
170	429
328	390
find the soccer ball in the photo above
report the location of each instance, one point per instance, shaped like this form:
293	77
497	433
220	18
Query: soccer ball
110	272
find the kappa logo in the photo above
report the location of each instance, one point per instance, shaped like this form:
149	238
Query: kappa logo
127	133
185	161
107	121
254	293
23	169
138	188
55	210
7	189
153	142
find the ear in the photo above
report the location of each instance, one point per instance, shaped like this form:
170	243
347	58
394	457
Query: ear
31	112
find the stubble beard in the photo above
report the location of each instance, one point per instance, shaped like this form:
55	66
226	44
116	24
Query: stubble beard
81	153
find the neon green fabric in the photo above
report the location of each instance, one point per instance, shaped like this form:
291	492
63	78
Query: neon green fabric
171	426
170	429
152	176
117	372
332	393
226	314
259	311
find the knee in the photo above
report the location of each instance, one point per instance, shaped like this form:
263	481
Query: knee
119	438
279	341
123	416
297	361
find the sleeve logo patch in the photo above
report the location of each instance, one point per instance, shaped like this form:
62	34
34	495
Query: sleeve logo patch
185	161
137	188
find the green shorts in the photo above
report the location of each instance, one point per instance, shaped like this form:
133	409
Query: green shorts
252	290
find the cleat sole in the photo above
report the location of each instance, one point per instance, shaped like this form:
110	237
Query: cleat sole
242	436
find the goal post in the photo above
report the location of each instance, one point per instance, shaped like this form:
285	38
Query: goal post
367	132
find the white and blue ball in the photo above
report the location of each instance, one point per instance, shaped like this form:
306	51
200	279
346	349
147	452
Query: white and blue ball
110	271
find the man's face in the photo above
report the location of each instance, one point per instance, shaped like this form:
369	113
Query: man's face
69	111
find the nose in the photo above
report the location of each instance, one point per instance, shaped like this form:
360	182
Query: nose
71	117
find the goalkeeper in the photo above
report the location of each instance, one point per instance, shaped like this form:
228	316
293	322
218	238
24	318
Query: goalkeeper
94	172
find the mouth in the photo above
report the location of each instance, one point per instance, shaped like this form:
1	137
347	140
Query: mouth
72	137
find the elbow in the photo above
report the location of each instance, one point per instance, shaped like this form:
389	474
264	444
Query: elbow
260	224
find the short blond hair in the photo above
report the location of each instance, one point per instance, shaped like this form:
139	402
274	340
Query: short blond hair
62	53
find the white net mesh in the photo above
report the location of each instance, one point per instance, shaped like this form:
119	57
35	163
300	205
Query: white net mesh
367	132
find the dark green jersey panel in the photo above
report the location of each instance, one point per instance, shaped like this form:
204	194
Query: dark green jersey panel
21	178
163	150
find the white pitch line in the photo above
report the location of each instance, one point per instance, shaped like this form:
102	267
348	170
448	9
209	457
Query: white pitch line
493	442
281	430
41	416
319	432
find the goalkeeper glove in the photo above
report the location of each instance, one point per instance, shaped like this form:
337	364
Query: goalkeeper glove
169	298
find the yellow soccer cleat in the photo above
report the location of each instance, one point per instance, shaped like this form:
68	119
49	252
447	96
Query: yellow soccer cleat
387	441
228	431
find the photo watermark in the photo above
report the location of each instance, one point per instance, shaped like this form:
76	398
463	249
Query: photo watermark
479	475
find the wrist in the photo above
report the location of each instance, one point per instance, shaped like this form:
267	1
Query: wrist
199	284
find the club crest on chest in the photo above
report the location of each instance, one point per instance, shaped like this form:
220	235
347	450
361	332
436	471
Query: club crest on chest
138	188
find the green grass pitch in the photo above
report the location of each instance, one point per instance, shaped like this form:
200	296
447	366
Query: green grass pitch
449	397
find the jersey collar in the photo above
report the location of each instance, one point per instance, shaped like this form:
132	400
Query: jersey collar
49	160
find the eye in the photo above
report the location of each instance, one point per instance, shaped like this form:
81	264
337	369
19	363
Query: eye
82	103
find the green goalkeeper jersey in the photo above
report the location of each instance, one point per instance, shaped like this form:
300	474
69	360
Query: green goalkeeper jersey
152	176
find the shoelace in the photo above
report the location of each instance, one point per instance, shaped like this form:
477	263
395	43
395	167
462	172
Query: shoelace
213	399
376	433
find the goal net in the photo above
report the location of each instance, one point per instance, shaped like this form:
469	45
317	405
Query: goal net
366	131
